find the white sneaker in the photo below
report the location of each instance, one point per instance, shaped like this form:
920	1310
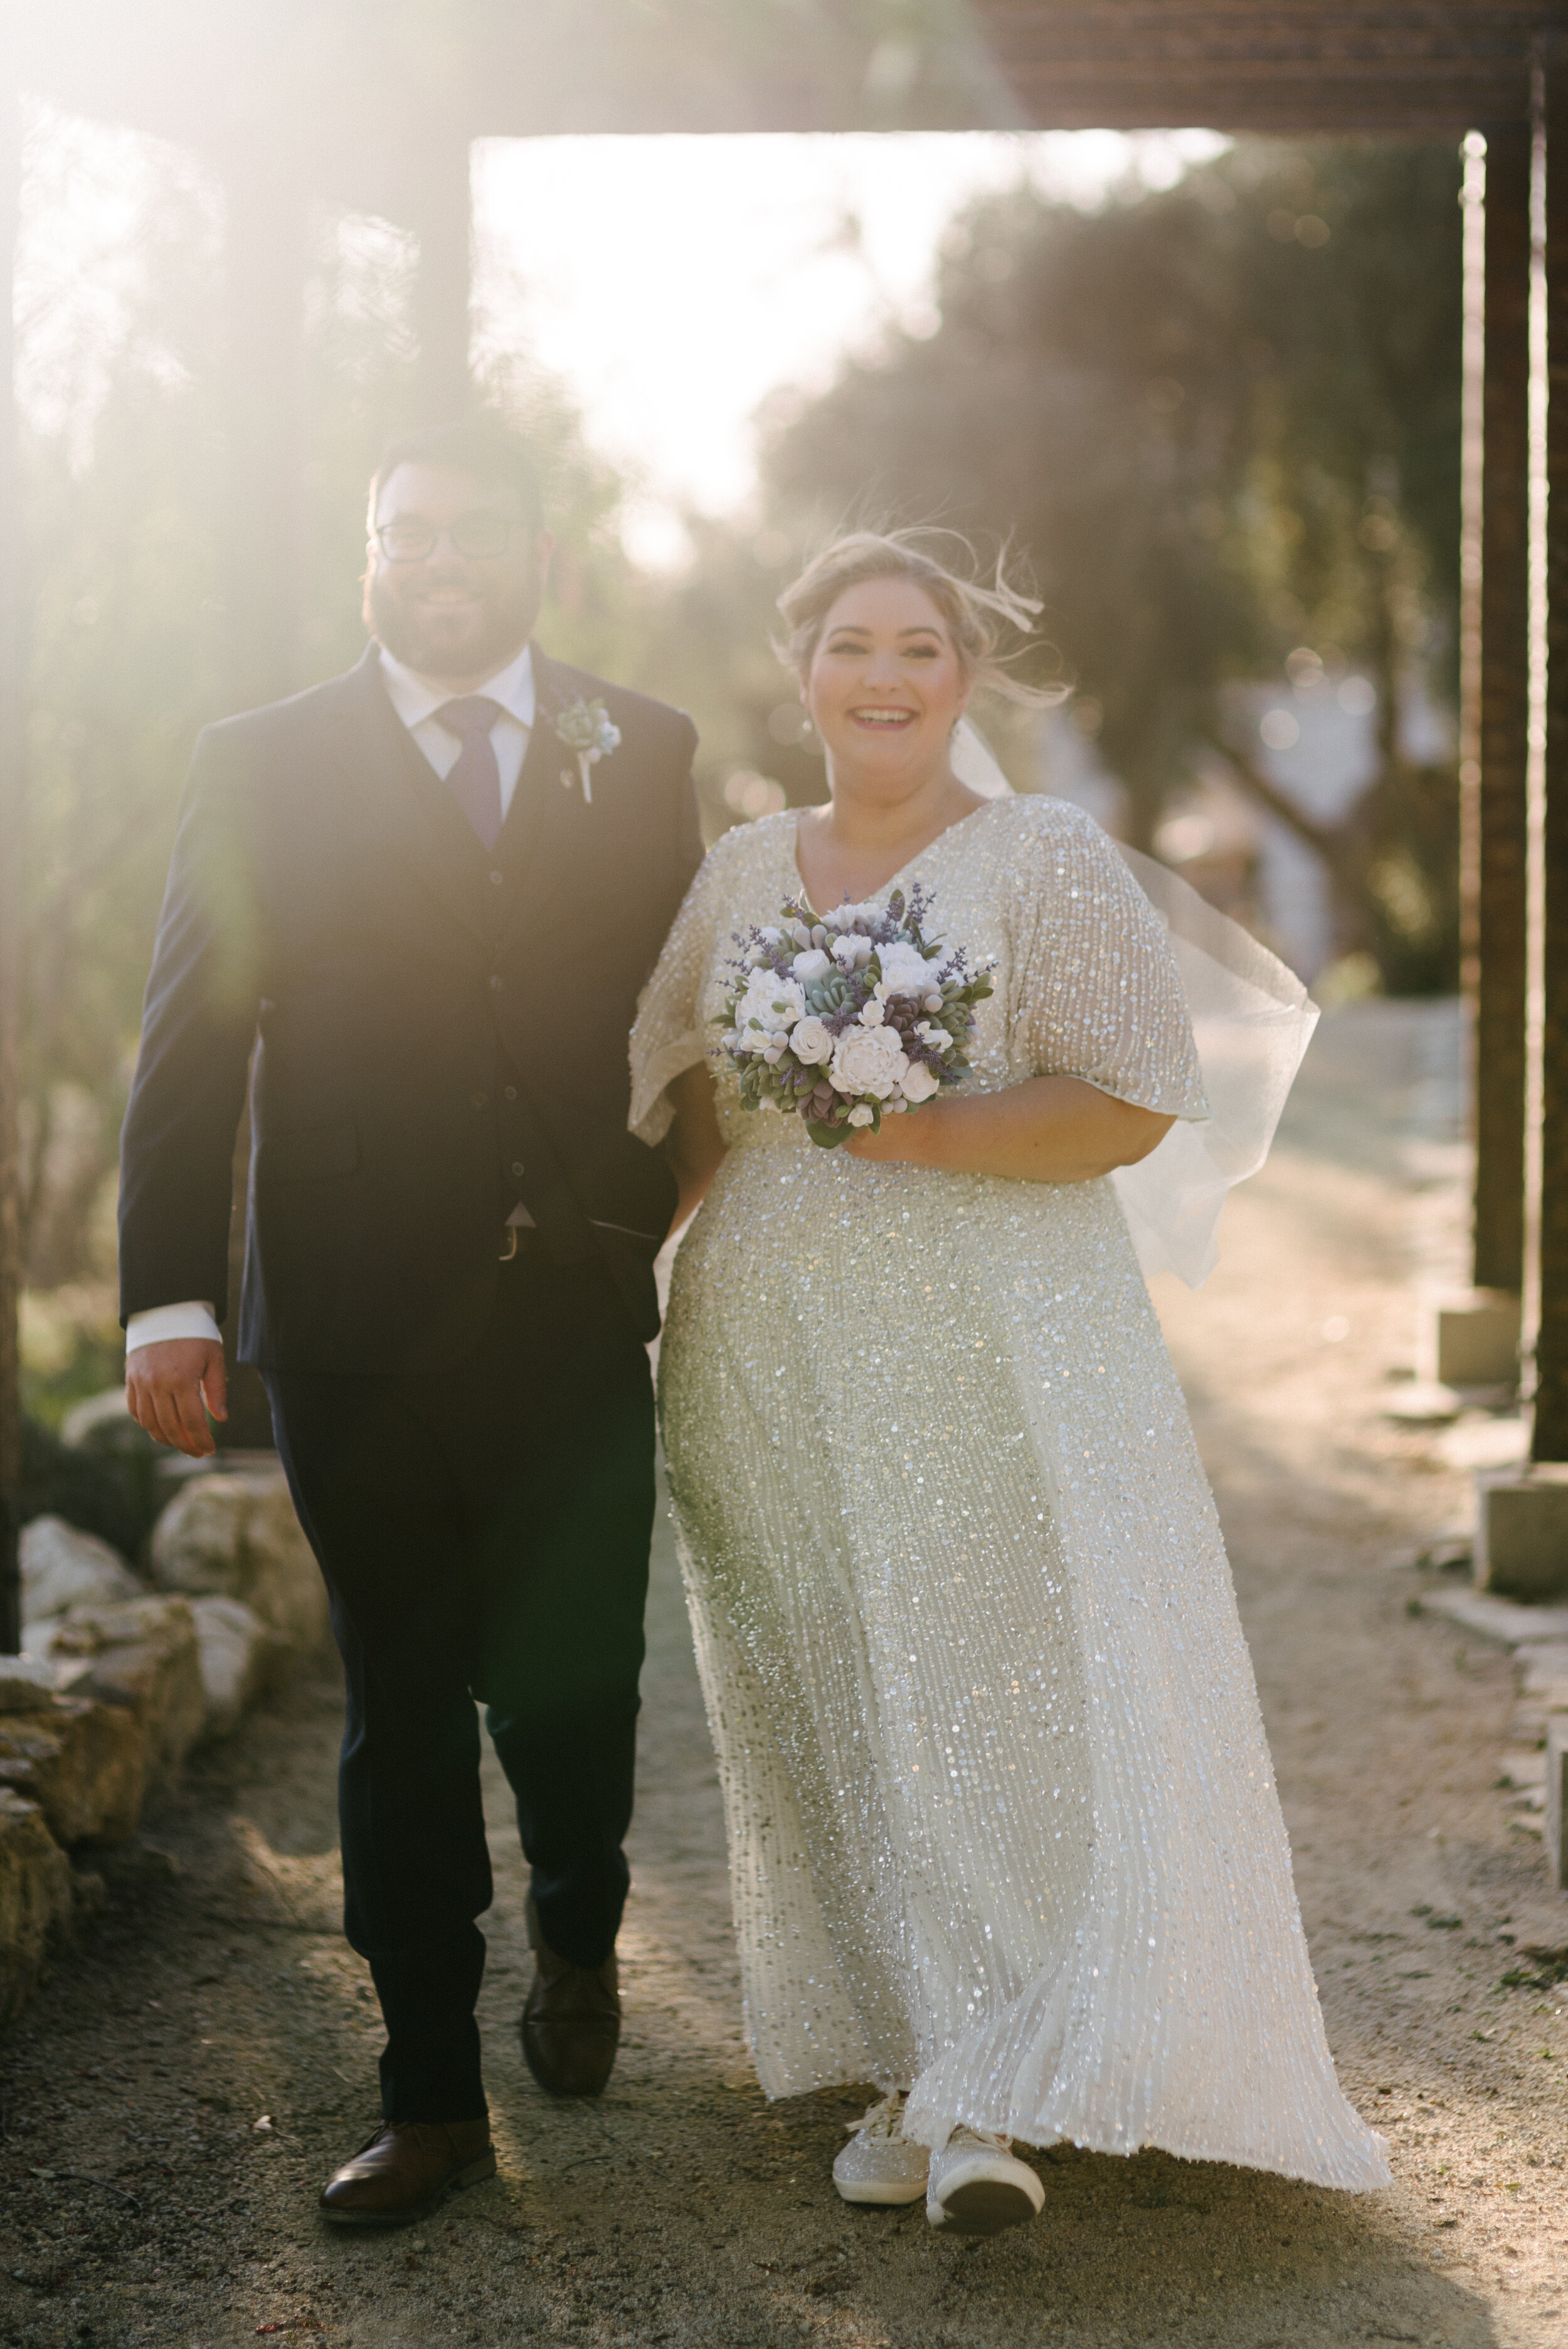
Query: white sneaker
880	2164
976	2188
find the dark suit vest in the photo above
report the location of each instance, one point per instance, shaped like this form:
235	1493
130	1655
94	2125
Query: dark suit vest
438	1029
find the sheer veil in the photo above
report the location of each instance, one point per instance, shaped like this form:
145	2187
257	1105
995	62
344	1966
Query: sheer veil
1252	1020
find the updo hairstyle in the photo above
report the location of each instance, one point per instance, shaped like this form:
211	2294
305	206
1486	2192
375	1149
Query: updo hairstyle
976	616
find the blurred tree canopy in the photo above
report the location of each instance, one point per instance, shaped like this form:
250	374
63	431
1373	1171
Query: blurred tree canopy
1222	424
123	459
1221	421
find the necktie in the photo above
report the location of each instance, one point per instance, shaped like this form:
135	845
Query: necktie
475	781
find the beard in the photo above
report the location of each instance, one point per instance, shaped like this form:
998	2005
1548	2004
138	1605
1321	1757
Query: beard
446	640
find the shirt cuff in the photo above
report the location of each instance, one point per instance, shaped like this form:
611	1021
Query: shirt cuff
193	1319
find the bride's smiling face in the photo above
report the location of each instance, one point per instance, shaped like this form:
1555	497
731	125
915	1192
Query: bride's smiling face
886	685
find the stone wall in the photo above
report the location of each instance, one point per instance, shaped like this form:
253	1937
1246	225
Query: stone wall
125	1668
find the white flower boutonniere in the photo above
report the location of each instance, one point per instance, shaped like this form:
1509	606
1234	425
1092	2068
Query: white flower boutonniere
587	728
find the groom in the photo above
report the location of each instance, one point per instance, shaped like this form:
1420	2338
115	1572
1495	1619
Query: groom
411	909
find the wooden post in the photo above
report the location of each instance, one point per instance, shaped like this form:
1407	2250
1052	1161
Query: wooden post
11	738
1550	1441
441	217
1501	824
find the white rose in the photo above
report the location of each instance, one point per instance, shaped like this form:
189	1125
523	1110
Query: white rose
860	1115
811	1042
868	1060
919	1081
904	970
776	1002
811	965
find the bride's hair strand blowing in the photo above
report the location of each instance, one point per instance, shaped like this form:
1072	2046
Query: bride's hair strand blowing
977	616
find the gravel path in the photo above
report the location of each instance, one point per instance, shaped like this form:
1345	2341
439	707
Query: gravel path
172	2102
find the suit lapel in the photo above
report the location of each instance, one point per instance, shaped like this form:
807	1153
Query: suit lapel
411	807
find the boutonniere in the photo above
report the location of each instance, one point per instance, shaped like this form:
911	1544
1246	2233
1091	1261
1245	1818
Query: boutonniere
587	728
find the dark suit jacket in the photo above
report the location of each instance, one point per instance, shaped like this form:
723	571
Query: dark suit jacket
440	1030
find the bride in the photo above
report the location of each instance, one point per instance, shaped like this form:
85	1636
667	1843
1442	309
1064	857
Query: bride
1003	1830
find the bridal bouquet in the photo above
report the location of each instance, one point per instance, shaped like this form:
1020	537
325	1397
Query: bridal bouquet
843	1019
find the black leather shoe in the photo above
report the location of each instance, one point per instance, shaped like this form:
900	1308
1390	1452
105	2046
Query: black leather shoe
571	2023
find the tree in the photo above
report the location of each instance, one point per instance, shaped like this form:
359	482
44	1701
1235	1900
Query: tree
1222	422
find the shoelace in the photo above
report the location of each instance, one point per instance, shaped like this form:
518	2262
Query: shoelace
982	2140
885	2119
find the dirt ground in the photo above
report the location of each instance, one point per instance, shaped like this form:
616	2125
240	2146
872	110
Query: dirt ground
172	2101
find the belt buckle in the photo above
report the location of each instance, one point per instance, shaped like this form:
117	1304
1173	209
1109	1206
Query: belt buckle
508	1247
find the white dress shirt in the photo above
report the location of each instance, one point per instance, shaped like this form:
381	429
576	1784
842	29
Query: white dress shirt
415	700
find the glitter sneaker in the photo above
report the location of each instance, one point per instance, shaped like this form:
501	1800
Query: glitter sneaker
880	2164
977	2186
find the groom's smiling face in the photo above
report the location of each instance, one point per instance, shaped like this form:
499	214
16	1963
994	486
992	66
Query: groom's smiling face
455	574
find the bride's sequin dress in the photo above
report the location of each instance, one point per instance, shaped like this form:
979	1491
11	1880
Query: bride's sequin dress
1003	1828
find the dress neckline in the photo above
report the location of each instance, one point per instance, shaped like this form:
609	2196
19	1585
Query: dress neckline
945	834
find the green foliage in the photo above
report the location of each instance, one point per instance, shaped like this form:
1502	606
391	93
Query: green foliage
1221	421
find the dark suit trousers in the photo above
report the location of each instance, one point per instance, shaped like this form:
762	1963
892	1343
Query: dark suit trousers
483	1533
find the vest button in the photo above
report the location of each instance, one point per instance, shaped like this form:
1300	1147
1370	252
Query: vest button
517	1167
495	879
512	1092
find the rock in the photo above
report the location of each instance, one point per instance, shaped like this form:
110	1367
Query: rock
237	1537
103	1422
62	1567
84	1763
27	1683
143	1655
35	1900
239	1655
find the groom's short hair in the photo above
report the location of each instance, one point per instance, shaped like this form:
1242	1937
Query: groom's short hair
482	445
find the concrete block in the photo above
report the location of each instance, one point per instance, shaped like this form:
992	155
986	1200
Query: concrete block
84	1763
36	1901
1522	1532
237	1537
1556	1804
1469	1337
62	1567
1496	1619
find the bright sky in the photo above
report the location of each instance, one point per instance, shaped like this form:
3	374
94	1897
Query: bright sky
670	284
673	283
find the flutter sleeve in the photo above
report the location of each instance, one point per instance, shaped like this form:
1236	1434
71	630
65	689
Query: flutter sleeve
1096	991
670	1034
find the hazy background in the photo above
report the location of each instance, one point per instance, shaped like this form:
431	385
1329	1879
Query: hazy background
1208	390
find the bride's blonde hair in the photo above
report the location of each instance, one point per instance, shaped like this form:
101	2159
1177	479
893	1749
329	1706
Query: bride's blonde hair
977	616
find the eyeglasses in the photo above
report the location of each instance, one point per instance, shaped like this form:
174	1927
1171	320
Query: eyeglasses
481	536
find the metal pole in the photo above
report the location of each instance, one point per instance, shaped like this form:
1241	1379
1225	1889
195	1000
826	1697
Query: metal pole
1501	818
1550	1441
10	874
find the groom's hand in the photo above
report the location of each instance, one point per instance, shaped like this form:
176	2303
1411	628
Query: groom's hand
171	1386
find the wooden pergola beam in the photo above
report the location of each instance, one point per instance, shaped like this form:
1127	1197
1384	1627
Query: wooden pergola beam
10	839
1550	1441
1501	825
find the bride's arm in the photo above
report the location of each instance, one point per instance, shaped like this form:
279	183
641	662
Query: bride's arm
694	1145
1043	1130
